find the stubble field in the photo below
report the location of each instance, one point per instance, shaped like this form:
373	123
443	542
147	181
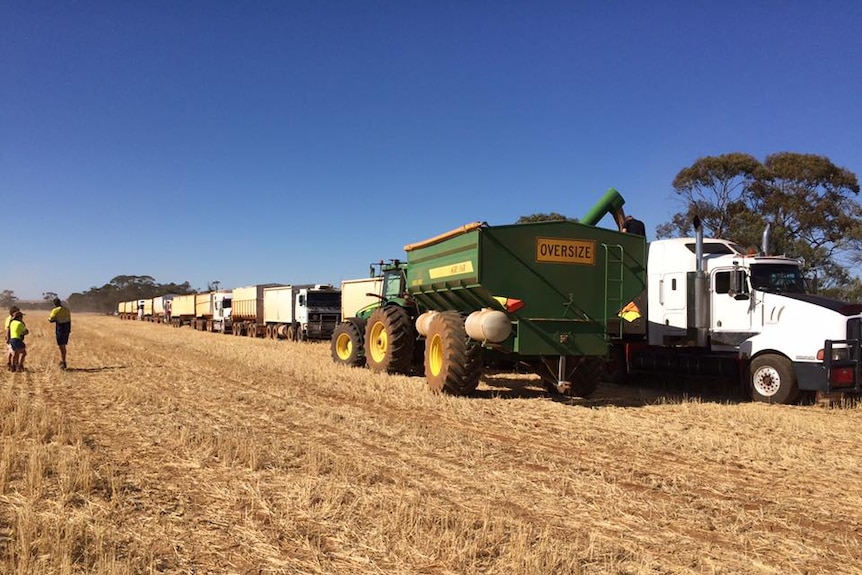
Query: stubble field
172	451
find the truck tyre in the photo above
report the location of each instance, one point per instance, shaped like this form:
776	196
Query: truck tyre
389	340
347	344
453	363
773	380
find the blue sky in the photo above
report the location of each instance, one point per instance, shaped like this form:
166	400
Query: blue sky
298	141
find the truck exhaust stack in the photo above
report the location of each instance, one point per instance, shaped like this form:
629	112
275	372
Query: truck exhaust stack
701	287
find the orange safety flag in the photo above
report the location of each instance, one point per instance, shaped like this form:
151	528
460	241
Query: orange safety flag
631	312
511	304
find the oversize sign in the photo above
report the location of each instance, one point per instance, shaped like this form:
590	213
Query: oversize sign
565	251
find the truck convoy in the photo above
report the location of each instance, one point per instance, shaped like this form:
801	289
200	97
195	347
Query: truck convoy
576	303
298	312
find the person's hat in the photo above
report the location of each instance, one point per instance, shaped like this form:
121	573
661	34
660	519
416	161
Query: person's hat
13	309
17	313
57	301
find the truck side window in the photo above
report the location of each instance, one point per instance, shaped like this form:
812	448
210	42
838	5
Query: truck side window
722	282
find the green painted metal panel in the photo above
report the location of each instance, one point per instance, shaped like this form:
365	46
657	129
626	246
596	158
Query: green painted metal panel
572	278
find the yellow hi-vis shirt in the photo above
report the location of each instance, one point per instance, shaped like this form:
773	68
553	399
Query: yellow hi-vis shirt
17	329
60	314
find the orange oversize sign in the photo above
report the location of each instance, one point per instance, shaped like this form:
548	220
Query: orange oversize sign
565	251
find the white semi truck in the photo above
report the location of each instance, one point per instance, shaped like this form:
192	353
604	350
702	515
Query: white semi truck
713	309
210	311
301	312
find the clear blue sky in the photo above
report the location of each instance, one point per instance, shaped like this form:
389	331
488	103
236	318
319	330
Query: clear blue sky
287	141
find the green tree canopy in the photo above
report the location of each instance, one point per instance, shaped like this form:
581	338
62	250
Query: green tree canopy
7	298
124	288
809	202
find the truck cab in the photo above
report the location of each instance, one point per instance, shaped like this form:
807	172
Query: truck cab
755	309
318	311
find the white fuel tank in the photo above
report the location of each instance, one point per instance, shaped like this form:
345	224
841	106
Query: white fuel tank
488	325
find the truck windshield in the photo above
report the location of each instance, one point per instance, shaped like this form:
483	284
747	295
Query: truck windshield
324	299
777	278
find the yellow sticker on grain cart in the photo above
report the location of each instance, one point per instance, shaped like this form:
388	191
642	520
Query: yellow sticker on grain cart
451	270
565	251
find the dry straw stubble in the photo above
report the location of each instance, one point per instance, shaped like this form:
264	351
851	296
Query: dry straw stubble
168	450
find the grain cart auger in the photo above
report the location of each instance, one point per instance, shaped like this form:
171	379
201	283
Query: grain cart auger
543	294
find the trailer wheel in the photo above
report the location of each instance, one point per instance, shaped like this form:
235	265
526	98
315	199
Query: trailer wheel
582	374
616	367
773	380
453	363
347	344
389	340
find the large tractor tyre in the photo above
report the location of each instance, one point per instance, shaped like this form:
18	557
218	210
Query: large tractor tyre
453	363
348	344
773	379
389	340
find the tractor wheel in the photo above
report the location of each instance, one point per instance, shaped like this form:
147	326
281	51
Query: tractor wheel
291	333
389	340
453	363
347	344
773	380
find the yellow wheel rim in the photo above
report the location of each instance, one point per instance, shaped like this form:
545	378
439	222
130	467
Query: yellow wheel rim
379	342
435	355
343	346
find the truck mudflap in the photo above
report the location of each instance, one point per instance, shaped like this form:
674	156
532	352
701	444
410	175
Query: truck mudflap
842	360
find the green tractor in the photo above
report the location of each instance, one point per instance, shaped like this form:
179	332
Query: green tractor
382	334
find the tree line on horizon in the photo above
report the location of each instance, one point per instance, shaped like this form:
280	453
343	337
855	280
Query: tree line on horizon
104	299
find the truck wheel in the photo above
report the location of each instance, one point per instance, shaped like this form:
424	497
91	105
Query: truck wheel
453	363
773	380
389	340
347	344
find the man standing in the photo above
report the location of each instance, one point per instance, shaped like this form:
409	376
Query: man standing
634	226
61	317
17	331
9	351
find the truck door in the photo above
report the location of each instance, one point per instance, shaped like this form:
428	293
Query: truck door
674	300
731	306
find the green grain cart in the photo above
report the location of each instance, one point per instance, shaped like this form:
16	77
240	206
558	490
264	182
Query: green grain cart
546	295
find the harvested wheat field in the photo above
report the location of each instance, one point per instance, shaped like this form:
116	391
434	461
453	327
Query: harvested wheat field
172	451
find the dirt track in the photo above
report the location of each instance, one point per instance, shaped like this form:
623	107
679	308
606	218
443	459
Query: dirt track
218	454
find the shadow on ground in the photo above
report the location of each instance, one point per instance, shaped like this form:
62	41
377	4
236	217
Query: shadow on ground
636	394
